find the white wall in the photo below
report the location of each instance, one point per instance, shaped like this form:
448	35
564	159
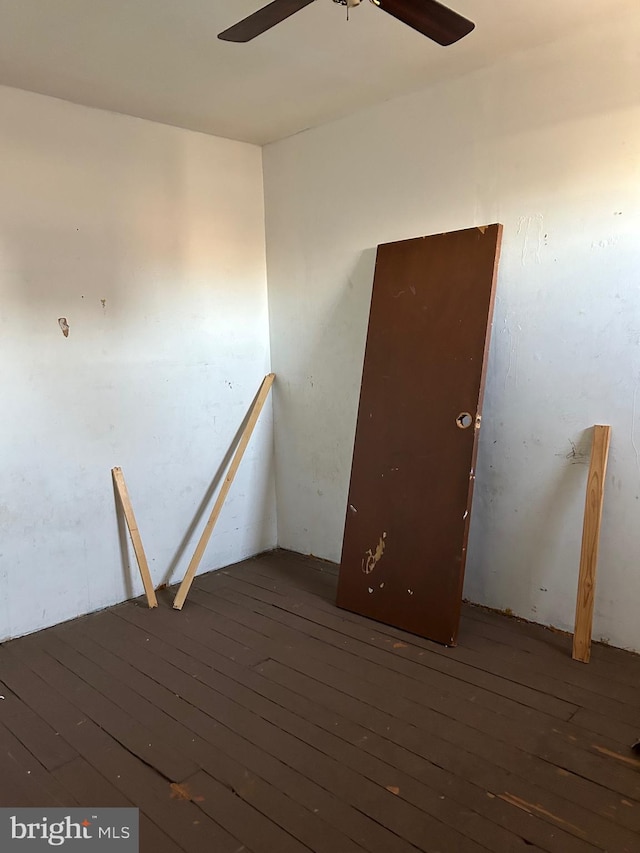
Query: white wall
548	143
150	241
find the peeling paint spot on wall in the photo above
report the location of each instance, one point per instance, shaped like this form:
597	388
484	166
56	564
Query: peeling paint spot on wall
62	322
605	243
372	557
529	224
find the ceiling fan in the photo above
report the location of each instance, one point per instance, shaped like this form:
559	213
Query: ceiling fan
428	17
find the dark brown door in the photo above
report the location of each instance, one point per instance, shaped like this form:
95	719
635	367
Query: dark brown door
412	476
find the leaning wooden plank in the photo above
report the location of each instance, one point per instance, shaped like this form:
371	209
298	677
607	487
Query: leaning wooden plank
590	543
182	593
123	493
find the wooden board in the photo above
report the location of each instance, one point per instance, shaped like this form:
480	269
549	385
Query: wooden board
132	524
590	543
192	568
413	470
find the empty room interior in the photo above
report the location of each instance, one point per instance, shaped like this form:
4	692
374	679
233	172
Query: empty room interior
320	327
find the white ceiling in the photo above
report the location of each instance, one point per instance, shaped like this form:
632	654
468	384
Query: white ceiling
161	60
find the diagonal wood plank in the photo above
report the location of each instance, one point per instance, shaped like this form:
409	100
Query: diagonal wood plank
192	568
134	532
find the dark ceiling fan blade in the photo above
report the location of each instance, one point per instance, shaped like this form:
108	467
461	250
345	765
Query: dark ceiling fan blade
263	20
430	18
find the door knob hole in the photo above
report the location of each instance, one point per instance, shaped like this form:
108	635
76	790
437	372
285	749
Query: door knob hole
464	420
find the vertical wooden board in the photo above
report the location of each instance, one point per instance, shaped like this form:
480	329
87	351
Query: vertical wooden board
590	543
413	470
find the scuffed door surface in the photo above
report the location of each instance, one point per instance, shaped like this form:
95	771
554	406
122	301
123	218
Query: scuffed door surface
413	466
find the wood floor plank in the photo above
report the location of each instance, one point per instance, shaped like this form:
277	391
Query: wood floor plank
262	718
464	675
16	789
116	677
181	820
415	648
458	793
493	781
102	710
405	826
226	672
508	757
257	832
89	787
41	740
558	746
549	647
608	664
597	799
544	773
488	644
23	780
93	790
223	753
463	662
618	732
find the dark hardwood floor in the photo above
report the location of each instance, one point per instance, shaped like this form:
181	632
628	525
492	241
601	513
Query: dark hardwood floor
262	718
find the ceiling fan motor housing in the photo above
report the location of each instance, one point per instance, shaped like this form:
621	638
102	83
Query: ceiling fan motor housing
348	2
